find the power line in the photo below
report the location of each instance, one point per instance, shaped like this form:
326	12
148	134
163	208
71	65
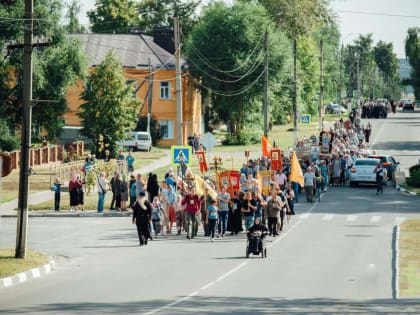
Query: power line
379	14
235	92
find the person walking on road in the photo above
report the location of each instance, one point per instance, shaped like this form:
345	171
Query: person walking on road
247	208
142	217
205	203
132	190
272	211
224	199
101	186
212	216
192	208
379	171
309	184
179	214
139	185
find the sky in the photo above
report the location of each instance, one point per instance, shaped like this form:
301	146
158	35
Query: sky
383	27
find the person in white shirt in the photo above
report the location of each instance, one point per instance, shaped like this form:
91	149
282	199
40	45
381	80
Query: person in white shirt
101	188
281	179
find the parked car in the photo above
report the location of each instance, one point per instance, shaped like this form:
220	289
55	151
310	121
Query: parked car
362	171
389	163
137	140
402	102
332	108
408	105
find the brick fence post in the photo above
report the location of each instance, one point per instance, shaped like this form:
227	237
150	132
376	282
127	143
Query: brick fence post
32	158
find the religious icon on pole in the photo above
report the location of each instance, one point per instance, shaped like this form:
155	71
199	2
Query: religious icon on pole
276	162
202	161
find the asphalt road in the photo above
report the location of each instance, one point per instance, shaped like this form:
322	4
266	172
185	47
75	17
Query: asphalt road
334	257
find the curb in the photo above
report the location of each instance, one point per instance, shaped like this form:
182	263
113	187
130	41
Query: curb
406	191
396	265
27	275
71	215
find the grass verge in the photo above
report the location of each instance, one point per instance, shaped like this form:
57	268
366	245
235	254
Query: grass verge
411	188
9	265
409	261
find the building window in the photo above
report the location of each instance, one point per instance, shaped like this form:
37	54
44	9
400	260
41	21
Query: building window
164	90
134	83
167	129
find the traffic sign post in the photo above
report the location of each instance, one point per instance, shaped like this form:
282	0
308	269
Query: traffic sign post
209	141
305	119
181	154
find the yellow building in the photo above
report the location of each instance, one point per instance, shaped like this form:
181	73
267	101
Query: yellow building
152	70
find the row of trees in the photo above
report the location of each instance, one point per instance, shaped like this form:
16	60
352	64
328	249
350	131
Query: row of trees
224	49
412	50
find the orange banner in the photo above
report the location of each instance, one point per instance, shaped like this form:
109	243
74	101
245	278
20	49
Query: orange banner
276	163
201	156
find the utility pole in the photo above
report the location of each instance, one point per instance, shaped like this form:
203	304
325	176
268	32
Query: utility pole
294	93
321	86
149	100
177	40
266	86
22	219
340	89
358	78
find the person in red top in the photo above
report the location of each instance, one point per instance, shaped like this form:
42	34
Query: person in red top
192	208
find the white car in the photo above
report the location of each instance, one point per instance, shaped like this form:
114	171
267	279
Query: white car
332	108
362	171
137	140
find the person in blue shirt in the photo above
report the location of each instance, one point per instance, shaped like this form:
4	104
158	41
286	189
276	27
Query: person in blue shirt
212	218
244	170
132	185
57	194
130	163
87	166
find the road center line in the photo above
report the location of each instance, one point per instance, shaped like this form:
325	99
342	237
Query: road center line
208	285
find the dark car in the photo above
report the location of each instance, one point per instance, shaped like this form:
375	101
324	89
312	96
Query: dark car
389	163
408	105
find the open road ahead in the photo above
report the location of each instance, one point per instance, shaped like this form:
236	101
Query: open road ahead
334	257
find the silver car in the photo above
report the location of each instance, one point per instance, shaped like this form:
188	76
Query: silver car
362	171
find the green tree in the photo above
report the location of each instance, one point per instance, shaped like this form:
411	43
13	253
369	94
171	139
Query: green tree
298	17
387	63
226	51
55	67
113	16
161	13
73	11
109	110
412	50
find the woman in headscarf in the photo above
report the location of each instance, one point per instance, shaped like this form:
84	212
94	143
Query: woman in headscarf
152	187
74	192
124	193
142	216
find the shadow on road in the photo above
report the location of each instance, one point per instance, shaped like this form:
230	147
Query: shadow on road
232	305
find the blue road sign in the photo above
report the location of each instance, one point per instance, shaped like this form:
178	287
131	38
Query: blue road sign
179	154
305	119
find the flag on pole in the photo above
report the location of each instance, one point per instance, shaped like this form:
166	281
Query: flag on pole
266	147
296	174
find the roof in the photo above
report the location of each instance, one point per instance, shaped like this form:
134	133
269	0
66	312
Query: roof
133	49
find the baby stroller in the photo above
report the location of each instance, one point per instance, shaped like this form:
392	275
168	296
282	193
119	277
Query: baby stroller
255	244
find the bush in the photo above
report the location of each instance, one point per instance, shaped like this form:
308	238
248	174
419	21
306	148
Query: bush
414	179
414	169
155	131
9	141
246	136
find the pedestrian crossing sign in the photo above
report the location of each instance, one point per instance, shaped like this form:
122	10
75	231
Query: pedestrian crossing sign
179	154
305	119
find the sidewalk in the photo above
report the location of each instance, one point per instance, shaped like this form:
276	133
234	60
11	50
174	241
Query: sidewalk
6	209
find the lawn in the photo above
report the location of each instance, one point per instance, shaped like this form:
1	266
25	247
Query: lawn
9	265
146	158
90	200
409	262
283	135
411	188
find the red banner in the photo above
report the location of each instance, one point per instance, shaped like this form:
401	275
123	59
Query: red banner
276	163
230	180
201	156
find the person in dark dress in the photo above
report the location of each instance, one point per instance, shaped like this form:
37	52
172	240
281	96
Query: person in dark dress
235	215
117	191
74	193
81	193
152	187
142	217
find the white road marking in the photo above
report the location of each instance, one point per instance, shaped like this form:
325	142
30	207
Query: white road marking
399	219
21	277
327	217
35	273
351	217
208	285
375	218
47	268
372	266
7	282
